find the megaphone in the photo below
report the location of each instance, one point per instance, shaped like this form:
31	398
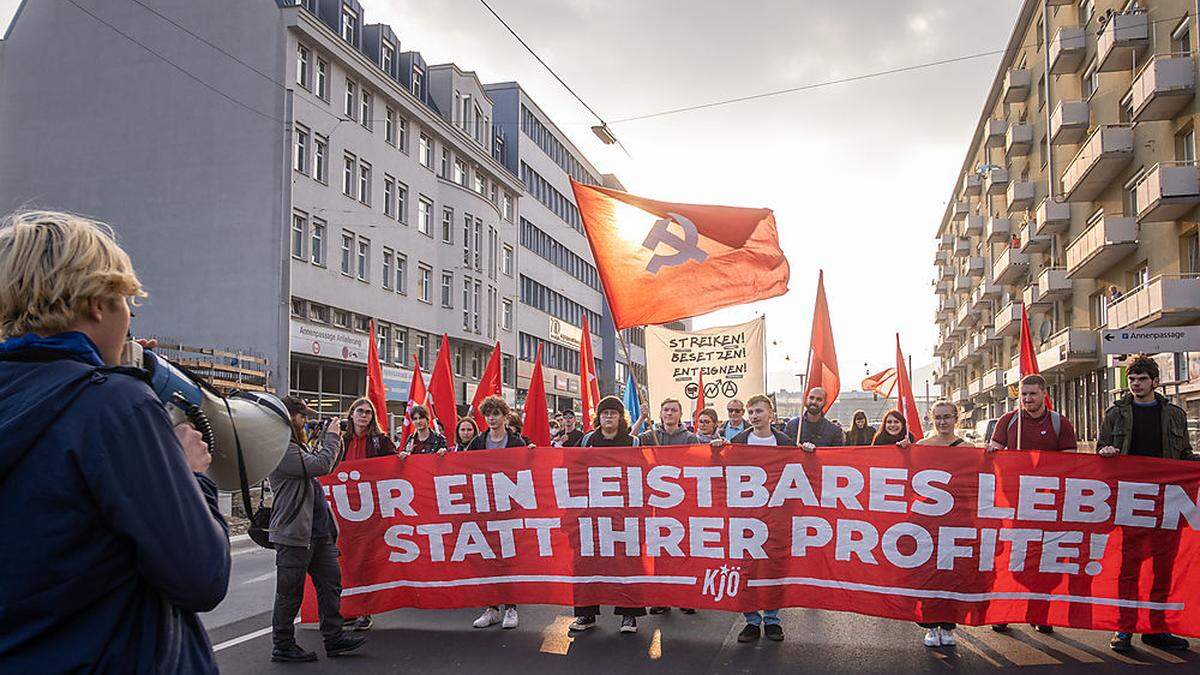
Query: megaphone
246	432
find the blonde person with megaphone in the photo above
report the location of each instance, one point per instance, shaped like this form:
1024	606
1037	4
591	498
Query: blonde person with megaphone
120	539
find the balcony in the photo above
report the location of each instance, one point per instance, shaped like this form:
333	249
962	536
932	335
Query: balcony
946	273
997	181
1167	191
1069	122
1031	242
1052	217
966	316
973	269
1016	85
959	210
1102	244
974	387
1104	155
1008	320
972	185
941	286
998	231
941	257
960	395
1010	266
985	292
1054	284
1068	48
962	284
974	225
946	242
993	380
1020	195
1012	376
1068	350
1167	82
1121	39
1019	140
1162	301
990	337
1033	300
963	353
957	330
996	129
962	246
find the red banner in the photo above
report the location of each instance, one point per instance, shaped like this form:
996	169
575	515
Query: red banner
926	534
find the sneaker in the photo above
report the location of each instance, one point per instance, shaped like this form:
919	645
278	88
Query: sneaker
1000	627
933	637
490	617
687	610
628	624
659	610
344	644
1122	642
1165	641
1043	629
774	632
750	633
291	654
582	623
947	635
510	618
361	623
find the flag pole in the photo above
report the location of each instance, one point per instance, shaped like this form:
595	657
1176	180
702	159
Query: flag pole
636	392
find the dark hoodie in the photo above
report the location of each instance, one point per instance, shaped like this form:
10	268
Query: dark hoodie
112	545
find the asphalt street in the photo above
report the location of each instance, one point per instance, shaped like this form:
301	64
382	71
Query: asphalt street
817	642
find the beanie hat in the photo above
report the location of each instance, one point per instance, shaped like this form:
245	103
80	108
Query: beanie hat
610	403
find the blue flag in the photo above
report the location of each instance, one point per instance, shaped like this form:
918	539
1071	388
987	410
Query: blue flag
631	399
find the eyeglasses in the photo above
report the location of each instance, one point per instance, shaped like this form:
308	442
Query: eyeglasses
735	410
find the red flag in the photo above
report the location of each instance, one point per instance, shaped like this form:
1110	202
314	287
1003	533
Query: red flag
699	401
650	254
416	396
822	357
536	426
881	383
441	390
376	391
489	385
589	386
904	395
1029	364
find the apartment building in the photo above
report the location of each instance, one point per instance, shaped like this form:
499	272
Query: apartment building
1077	201
283	173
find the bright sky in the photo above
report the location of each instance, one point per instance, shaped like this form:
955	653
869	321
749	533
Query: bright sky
858	174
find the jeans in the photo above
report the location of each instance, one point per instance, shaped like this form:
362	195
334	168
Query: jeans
767	616
292	563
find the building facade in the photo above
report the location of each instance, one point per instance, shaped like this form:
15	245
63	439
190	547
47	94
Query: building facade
284	174
1077	201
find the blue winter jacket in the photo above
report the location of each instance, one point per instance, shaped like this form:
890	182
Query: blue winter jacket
111	544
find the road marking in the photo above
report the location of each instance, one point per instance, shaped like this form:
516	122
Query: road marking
261	577
965	597
556	639
525	578
246	638
655	650
1012	649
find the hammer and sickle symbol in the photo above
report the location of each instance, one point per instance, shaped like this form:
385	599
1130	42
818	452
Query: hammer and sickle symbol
685	249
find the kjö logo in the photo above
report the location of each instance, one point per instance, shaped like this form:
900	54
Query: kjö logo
722	582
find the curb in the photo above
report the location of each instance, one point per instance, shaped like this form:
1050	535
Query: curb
239	538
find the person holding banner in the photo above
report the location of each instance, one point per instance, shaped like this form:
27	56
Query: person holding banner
813	430
706	425
669	431
894	430
736	423
464	432
424	440
361	436
1146	424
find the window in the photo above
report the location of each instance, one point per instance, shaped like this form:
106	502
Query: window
425	151
347	253
341	318
506	369
364	257
475	292
402	202
418	83
1041	28
299	225
493	252
303	75
491	312
1139	276
1091	80
299	308
321	159
383	336
316	243
475	363
1125	113
349	25
447	289
1181	38
464	119
388	58
322	79
400	346
349	169
351	108
1129	195
365	115
1039	151
318	312
466	299
389	125
445	172
466	239
448	225
1086	9
1185	145
402	134
506	314
478	245
1191	253
458	360
1041	92
389	196
300	158
498	149
506	261
508	207
401	274
386	273
424	279
479	188
424	209
460	172
364	183
423	350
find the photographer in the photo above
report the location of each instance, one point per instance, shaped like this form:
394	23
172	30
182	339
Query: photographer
120	541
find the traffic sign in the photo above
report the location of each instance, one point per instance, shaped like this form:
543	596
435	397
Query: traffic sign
1150	340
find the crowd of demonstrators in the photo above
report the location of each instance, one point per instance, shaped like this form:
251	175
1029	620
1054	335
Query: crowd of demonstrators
736	422
706	425
114	538
361	436
1143	423
465	431
610	429
893	430
861	433
304	534
812	429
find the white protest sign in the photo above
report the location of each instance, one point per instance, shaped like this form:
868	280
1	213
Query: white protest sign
732	358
